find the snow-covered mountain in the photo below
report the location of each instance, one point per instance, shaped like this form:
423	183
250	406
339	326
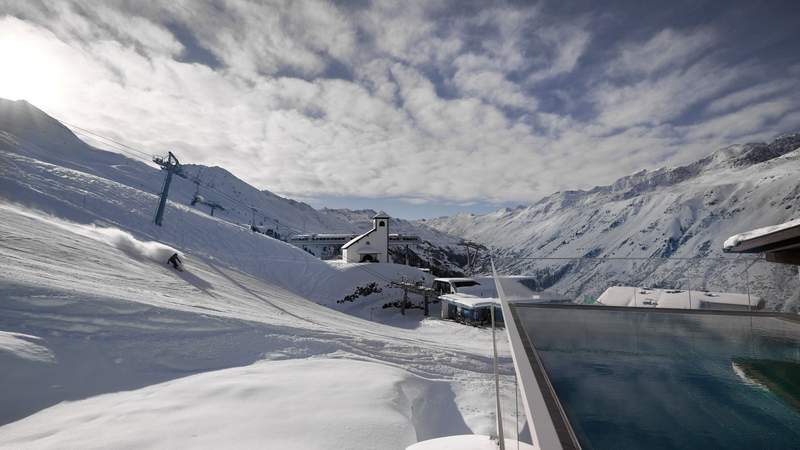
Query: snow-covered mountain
99	336
682	212
26	130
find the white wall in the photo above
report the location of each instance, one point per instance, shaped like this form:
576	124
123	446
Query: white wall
373	241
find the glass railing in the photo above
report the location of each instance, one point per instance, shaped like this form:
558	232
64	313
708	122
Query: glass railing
670	353
694	283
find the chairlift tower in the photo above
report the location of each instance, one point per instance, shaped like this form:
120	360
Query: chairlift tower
472	258
172	166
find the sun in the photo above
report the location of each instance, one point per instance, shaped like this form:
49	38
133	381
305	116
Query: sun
30	68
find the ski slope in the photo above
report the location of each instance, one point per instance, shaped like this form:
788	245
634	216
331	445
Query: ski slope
28	131
84	316
104	345
291	404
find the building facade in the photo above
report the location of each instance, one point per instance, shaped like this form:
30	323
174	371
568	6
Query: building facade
372	246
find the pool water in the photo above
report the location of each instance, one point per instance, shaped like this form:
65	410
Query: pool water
635	378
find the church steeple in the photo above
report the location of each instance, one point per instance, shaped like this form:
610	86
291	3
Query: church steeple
381	220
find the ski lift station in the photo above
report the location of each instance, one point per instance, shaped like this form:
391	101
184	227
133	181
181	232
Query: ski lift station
470	300
372	246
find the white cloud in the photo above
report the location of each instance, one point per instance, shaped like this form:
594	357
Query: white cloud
667	49
743	122
425	116
751	94
567	44
659	99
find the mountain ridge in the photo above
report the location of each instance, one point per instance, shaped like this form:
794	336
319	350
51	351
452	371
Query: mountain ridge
661	216
27	130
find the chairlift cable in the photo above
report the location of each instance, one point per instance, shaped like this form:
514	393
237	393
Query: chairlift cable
98	135
121	150
141	155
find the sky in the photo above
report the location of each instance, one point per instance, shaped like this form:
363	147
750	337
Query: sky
421	109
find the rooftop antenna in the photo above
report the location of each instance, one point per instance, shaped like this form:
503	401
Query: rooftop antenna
172	166
501	442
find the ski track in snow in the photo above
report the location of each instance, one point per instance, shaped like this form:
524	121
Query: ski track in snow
24	346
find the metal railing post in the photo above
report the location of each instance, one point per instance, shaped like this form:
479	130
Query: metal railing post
500	439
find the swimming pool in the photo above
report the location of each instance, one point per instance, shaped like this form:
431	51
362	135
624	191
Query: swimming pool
634	378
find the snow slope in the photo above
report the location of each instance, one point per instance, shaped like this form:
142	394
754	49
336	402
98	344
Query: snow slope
28	131
683	212
24	346
82	317
101	343
292	404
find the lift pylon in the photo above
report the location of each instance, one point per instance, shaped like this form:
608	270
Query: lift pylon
172	166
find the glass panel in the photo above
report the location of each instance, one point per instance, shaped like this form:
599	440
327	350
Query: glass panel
647	378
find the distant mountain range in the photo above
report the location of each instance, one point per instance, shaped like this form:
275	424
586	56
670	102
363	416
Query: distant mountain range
662	215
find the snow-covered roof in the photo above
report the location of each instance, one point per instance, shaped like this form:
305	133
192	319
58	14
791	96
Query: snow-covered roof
356	239
676	298
771	238
448	280
474	301
380	215
322	237
470	301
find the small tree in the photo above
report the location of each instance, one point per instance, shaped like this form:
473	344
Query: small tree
361	291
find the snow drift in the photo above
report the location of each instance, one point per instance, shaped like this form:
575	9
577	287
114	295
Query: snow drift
120	239
25	346
315	403
124	241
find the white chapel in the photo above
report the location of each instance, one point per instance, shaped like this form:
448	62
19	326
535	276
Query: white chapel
372	246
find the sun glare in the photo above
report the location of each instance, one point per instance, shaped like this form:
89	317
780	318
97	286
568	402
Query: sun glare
29	70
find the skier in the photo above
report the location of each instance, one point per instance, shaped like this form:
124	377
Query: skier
175	261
